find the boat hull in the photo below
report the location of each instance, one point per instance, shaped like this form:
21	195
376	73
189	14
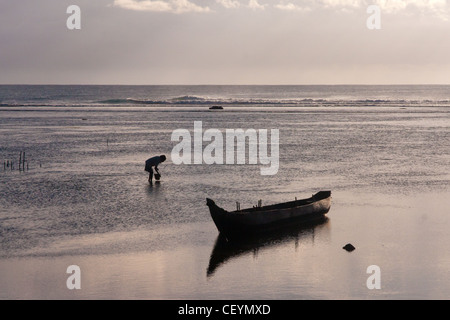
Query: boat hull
254	220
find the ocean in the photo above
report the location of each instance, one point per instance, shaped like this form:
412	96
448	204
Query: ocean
81	197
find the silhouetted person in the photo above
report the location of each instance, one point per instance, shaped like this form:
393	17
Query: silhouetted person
153	162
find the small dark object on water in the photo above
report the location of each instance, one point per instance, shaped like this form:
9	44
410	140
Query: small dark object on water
83	119
216	108
349	247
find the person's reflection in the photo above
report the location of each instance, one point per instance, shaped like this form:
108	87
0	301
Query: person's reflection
153	189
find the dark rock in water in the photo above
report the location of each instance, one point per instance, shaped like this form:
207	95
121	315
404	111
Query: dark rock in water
349	247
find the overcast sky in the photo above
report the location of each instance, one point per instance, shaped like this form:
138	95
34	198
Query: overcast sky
225	42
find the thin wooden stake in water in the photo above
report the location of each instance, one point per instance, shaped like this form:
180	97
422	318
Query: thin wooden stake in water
20	159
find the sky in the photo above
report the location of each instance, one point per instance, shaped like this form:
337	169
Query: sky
225	42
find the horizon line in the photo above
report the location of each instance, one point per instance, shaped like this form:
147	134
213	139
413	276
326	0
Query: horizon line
315	84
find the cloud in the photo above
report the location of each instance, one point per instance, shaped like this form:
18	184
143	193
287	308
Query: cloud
392	6
232	4
291	7
253	4
174	6
439	8
341	3
229	4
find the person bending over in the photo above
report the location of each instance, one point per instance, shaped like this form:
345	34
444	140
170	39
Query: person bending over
153	162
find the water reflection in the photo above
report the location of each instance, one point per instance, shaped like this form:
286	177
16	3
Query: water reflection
225	249
153	189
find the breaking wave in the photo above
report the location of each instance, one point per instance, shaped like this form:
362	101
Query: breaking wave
193	100
198	100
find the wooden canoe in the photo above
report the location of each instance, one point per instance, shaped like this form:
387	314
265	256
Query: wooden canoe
241	223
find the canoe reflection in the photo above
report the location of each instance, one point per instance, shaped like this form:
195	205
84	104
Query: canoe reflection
225	249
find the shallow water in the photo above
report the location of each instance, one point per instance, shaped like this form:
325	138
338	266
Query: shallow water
85	200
